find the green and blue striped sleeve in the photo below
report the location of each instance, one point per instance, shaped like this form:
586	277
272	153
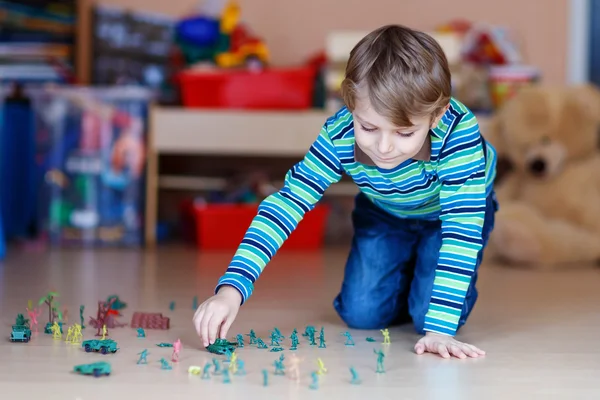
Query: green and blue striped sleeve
279	214
461	171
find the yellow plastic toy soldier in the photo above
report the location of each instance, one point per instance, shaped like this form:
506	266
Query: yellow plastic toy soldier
69	334
56	333
386	336
322	368
233	363
103	332
77	335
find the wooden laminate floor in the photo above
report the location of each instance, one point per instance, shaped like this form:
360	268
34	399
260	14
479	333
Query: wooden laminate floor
540	329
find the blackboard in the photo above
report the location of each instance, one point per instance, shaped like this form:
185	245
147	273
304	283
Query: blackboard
132	48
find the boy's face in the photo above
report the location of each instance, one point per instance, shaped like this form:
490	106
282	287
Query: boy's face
387	145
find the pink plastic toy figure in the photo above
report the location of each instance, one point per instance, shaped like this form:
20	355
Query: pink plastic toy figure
176	350
33	314
294	367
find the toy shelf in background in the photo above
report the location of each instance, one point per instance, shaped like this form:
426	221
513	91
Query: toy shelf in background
225	65
95	164
38	40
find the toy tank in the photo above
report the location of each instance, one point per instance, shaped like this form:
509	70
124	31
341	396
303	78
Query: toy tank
221	346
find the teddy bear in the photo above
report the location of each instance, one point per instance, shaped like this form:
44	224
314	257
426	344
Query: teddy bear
549	197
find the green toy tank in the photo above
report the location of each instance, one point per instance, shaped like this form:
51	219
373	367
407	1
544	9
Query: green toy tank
221	346
97	369
103	346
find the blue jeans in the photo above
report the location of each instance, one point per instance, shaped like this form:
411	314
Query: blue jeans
391	266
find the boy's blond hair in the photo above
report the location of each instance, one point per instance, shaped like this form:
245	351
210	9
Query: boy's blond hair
404	72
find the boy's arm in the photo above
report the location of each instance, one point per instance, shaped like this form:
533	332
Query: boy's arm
279	214
461	171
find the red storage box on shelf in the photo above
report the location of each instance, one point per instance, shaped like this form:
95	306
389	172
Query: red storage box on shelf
271	88
222	226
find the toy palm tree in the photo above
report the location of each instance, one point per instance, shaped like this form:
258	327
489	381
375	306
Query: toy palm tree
48	299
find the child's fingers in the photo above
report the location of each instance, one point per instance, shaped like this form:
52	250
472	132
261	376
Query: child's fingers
476	350
213	326
457	351
443	351
225	327
198	319
204	328
419	348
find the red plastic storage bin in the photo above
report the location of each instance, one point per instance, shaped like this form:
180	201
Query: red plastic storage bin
222	227
271	88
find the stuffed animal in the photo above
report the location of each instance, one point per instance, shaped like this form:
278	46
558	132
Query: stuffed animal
550	198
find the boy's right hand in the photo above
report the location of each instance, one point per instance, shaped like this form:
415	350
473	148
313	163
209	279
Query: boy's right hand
215	315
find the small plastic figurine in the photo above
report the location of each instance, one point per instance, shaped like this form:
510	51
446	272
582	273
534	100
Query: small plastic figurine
370	339
261	344
380	357
195	303
278	333
176	350
276	349
141	333
233	363
217	365
265	377
355	379
279	367
56	331
164	364
349	340
165	344
274	338
240	340
77	335
240	368
172	306
294	367
322	338
294	338
315	380
226	377
104	332
69	334
322	368
33	314
252	336
311	338
206	371
308	330
143	355
386	336
81	308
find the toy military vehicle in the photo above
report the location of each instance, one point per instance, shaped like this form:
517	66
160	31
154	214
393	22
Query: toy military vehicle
20	333
97	369
221	346
103	346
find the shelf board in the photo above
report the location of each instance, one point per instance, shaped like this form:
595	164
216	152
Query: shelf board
232	132
195	183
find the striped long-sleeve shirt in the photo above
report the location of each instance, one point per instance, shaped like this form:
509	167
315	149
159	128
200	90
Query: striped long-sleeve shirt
452	187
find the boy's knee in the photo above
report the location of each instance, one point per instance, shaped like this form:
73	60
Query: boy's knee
363	315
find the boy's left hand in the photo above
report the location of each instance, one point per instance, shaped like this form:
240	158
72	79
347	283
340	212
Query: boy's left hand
445	346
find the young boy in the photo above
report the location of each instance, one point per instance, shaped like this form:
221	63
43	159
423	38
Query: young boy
425	208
